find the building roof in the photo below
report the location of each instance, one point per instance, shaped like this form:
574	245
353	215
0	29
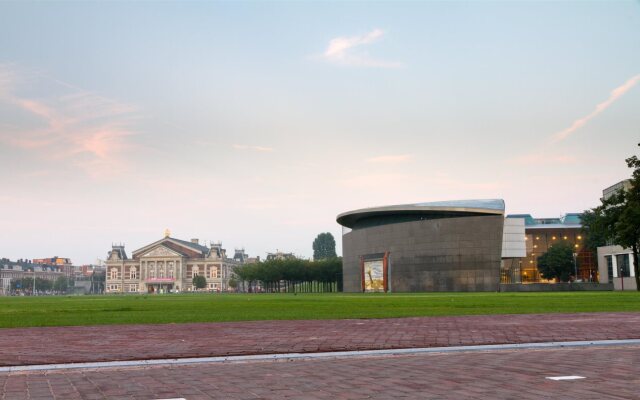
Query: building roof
567	221
203	250
419	211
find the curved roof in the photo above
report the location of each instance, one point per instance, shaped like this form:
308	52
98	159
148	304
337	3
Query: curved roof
436	209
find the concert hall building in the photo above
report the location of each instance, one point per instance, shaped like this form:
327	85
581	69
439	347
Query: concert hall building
168	265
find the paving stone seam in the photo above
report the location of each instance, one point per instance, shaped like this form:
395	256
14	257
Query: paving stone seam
321	355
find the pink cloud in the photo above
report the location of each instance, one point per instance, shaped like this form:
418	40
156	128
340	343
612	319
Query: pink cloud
579	123
80	128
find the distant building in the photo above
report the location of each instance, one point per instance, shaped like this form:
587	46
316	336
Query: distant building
63	264
615	263
241	257
279	255
613	189
15	270
540	234
168	265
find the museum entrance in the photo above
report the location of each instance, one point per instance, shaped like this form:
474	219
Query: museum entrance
374	270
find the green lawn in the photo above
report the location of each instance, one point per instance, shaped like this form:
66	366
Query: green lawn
150	309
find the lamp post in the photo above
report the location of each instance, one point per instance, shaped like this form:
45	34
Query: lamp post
575	265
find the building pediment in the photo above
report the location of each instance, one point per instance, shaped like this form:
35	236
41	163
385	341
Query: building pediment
161	251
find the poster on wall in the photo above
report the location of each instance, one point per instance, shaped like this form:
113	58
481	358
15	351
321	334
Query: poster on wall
373	276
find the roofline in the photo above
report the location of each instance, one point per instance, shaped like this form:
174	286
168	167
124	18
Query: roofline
343	219
172	240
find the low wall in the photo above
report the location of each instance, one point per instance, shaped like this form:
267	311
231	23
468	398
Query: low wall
555	287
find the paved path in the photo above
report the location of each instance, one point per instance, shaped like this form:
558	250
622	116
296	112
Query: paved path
610	373
24	346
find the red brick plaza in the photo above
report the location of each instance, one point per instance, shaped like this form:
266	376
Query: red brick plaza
609	372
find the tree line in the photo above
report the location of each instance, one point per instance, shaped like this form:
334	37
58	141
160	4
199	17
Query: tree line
291	276
61	285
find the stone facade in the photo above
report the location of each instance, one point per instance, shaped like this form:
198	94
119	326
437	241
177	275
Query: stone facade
168	265
445	254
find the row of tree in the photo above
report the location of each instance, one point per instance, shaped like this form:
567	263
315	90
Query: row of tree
290	276
60	285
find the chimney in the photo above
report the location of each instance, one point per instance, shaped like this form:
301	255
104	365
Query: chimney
196	241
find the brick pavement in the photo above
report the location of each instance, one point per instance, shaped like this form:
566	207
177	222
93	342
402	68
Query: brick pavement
23	346
611	373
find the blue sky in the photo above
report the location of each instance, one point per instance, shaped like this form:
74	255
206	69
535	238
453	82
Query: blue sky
257	123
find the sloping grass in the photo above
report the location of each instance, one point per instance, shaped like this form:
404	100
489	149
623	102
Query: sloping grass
154	309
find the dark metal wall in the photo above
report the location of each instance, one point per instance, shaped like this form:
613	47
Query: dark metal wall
449	254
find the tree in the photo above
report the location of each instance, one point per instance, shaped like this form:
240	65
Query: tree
324	246
617	219
61	284
199	282
557	262
233	283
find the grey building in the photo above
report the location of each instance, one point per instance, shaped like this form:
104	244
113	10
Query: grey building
438	246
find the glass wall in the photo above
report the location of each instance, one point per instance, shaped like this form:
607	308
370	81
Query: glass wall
538	240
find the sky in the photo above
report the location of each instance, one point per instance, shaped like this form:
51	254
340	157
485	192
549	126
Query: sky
257	123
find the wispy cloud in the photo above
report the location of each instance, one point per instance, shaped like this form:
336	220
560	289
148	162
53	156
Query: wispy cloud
543	158
347	51
579	123
261	149
74	126
390	159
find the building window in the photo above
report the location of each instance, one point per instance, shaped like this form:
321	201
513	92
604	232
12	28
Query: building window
133	288
152	273
195	271
161	273
214	272
170	272
133	273
114	273
623	265
609	267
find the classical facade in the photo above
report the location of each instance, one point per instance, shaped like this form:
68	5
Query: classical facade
167	265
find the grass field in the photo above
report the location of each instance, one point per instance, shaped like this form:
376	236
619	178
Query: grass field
143	309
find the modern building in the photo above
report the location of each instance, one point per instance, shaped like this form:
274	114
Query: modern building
167	265
540	234
613	189
438	246
615	263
